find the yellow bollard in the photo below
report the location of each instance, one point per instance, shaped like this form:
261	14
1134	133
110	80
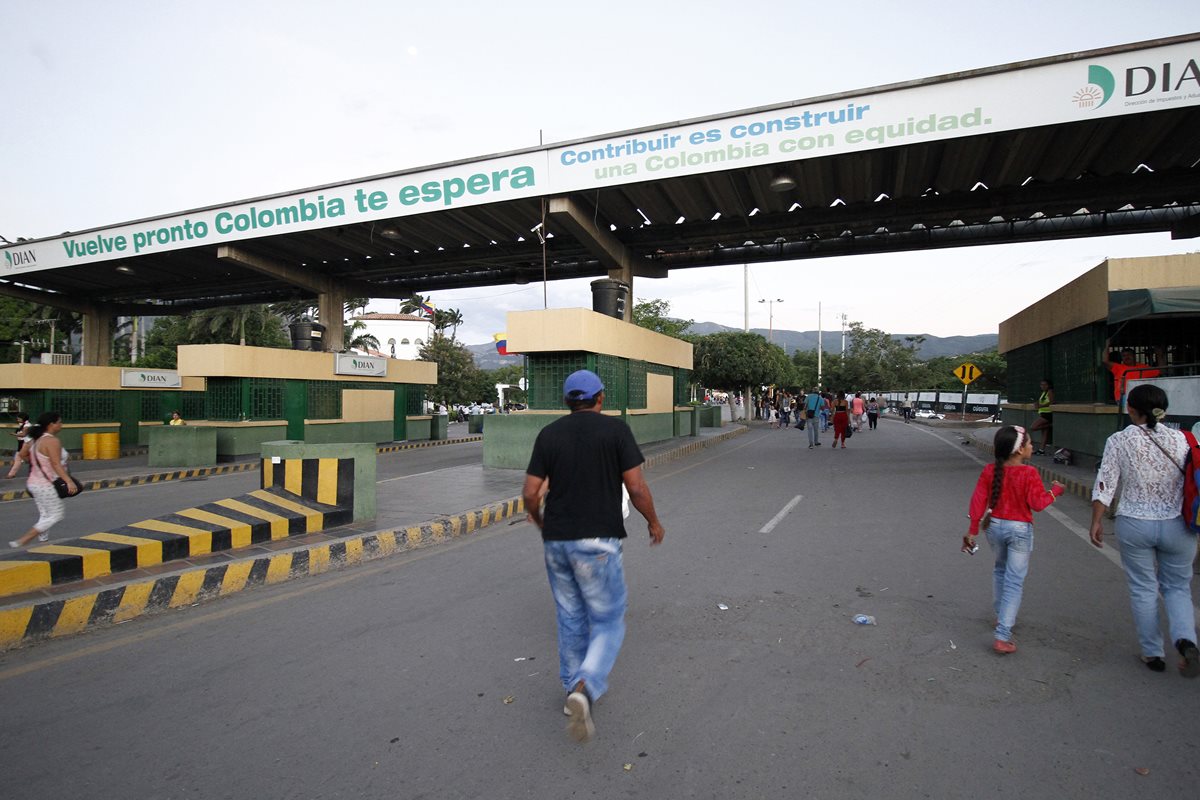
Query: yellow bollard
91	446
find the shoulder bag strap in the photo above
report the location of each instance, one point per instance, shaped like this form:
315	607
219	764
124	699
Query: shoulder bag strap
1164	450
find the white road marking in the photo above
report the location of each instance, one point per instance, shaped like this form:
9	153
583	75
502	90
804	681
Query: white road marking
770	526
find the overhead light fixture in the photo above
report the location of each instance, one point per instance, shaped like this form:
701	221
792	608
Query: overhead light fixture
782	183
390	233
126	269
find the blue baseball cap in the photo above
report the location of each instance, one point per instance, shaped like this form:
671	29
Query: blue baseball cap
582	385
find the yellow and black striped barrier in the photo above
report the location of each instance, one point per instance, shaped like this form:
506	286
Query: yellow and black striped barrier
61	617
310	495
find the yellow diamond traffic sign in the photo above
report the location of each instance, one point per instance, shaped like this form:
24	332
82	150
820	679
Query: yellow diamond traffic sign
967	372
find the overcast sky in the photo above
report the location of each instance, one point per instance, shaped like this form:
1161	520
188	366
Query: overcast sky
121	110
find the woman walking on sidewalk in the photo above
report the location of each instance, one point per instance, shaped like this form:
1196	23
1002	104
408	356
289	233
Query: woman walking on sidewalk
1157	549
1005	497
45	455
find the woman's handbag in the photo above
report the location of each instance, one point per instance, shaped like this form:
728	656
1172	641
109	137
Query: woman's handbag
60	486
849	430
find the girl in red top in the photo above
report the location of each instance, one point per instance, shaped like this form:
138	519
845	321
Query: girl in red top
1006	495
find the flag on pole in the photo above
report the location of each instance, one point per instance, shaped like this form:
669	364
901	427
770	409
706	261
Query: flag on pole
427	307
501	340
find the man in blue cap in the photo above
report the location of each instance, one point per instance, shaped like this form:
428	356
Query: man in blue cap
586	457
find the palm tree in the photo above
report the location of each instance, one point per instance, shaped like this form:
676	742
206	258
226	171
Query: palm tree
363	341
453	318
230	318
442	319
413	304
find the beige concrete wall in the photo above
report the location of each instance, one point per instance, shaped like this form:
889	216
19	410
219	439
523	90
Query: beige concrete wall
365	405
68	376
235	361
660	394
558	330
1154	272
1081	302
1085	299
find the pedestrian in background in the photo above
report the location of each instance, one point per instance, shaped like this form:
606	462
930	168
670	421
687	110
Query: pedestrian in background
1157	549
1006	495
22	436
858	407
841	419
873	413
586	457
812	409
47	459
1045	418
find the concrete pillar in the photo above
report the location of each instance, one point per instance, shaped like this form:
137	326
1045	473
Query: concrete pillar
97	338
331	310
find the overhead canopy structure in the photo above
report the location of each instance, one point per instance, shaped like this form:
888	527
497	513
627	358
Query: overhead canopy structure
1138	303
1084	144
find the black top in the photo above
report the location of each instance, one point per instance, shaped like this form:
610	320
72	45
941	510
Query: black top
584	454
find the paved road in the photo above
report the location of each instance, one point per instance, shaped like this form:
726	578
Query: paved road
390	680
107	509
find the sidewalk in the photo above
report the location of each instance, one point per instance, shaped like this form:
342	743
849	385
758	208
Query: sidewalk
405	520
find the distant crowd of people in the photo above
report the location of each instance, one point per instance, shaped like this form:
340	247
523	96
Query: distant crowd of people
815	412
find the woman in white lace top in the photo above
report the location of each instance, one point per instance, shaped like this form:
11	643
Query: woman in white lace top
1157	549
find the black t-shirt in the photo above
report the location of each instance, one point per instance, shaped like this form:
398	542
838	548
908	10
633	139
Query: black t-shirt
584	454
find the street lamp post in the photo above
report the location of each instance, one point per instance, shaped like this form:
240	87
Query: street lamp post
820	345
771	317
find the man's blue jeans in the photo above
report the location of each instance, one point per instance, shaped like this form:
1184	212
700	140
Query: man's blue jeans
587	579
1012	543
1157	556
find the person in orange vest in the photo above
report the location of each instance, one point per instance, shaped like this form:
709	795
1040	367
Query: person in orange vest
1127	368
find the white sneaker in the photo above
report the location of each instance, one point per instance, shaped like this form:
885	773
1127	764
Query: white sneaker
580	726
14	544
43	537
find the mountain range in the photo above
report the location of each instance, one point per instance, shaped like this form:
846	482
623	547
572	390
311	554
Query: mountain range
486	356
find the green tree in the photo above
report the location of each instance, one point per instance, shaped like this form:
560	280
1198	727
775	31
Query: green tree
357	338
232	324
459	380
733	361
991	363
34	324
292	310
447	318
413	305
876	360
804	365
653	315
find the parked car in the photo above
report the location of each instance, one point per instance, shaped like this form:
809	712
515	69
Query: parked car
924	413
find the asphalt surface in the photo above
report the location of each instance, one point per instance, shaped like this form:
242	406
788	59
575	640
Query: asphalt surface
434	673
